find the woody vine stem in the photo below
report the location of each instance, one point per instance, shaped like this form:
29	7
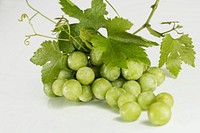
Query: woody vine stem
147	23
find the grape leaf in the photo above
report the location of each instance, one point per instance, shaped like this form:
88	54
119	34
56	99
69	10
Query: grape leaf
117	25
121	45
94	16
48	51
90	18
116	53
126	37
51	70
65	46
175	51
52	60
117	30
71	9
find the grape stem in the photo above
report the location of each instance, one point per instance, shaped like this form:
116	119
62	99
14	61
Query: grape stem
147	23
112	8
26	41
23	16
174	27
38	12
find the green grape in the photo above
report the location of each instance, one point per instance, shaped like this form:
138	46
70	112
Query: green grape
159	113
100	87
158	73
48	90
72	90
96	70
118	82
85	75
57	87
145	67
66	74
147	82
133	87
109	72
130	111
125	98
134	70
86	94
112	96
145	99
96	57
166	98
77	60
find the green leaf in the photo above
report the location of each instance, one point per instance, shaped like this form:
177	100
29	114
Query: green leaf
90	18
185	39
94	16
86	34
50	57
65	46
47	52
118	25
125	37
116	53
173	64
187	55
175	51
121	45
117	28
51	70
71	9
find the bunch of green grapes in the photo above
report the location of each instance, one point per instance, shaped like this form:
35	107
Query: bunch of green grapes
130	90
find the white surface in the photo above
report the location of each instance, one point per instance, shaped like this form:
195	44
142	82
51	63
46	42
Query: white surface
25	109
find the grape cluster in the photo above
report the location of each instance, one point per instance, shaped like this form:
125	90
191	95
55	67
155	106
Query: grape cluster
130	89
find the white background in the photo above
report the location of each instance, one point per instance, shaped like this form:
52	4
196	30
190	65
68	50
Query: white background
25	109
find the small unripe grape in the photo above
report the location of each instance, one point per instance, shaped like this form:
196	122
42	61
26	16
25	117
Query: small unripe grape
96	57
158	73
72	90
132	87
166	98
145	99
130	111
159	113
48	90
57	87
66	74
118	82
109	72
125	98
86	94
100	87
85	75
147	82
134	70
77	60
112	96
